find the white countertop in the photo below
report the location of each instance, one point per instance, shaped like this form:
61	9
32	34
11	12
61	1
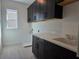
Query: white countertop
51	38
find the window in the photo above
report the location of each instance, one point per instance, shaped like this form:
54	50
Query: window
11	18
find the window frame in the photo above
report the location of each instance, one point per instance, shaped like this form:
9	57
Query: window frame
16	20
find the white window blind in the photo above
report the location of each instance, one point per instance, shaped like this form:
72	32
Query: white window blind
11	18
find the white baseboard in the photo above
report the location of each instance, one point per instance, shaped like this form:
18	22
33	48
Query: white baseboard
27	44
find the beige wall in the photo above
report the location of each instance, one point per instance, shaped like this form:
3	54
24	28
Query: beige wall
71	19
52	26
22	34
0	27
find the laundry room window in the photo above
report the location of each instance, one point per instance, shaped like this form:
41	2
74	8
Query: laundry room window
11	18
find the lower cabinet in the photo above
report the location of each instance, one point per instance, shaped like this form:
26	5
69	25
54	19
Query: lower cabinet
53	51
43	49
38	47
35	46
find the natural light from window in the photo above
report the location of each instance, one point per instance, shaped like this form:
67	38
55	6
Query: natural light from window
11	18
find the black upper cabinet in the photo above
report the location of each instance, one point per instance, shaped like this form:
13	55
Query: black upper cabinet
48	10
31	11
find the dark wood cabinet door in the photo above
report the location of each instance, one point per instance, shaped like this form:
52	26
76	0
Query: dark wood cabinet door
53	51
67	54
38	47
50	9
41	49
29	13
58	11
34	6
32	12
35	46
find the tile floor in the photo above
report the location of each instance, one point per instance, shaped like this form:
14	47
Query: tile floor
17	52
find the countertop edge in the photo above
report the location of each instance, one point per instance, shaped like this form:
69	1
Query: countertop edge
67	46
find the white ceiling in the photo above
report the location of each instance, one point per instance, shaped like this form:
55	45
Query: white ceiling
25	1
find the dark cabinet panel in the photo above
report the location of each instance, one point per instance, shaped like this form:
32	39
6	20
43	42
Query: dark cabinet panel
32	12
29	14
41	12
51	51
67	54
38	47
35	46
43	49
57	52
58	12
